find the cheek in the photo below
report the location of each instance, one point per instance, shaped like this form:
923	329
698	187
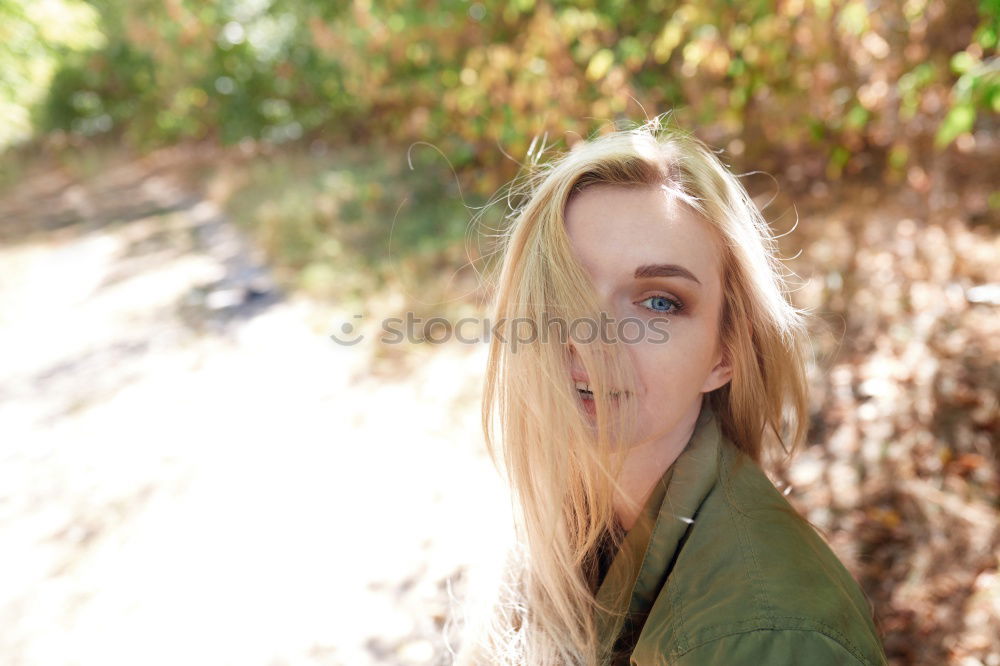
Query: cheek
674	367
659	368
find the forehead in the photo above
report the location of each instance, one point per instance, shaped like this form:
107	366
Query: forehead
614	229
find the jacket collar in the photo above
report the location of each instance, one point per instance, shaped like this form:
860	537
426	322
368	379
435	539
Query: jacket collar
640	568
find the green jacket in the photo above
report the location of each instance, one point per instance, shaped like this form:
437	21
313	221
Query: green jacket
720	569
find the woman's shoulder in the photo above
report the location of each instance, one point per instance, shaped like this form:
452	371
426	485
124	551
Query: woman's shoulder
753	578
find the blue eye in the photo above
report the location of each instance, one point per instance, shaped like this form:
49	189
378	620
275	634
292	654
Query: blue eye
661	304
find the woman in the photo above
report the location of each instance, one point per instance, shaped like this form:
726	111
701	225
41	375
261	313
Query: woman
649	357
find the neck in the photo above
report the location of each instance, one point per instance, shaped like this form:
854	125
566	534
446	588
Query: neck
646	463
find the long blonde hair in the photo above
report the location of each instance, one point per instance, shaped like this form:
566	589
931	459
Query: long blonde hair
560	470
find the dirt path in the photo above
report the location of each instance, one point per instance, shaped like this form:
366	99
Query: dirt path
192	472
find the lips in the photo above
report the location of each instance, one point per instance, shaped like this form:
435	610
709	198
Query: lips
586	391
582	385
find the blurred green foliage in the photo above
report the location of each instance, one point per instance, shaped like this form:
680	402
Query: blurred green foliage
830	78
35	40
348	226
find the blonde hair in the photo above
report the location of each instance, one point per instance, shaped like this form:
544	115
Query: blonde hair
560	470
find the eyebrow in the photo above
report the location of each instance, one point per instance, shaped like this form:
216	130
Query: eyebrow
665	270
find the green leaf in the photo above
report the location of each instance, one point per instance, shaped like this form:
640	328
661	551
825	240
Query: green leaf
599	64
857	117
959	120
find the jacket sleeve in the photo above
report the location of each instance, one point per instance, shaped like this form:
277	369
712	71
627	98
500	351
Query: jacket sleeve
771	646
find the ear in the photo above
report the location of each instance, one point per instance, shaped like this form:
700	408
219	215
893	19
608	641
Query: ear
721	373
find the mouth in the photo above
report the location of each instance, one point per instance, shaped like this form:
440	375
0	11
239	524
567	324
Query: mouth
587	395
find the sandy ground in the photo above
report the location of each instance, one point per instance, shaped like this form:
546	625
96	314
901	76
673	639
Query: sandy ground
192	472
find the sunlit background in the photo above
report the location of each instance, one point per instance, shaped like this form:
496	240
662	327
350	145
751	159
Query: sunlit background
195	195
